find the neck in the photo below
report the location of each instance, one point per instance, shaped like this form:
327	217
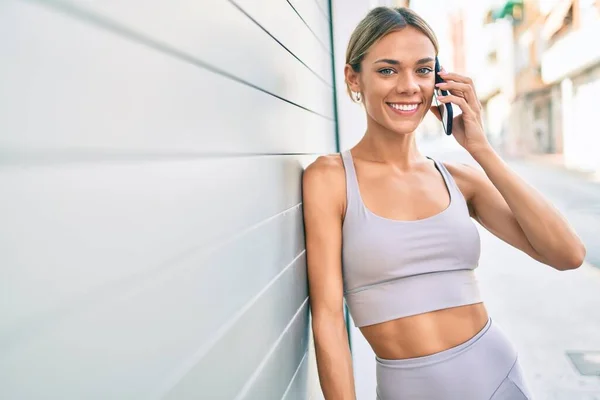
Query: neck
382	145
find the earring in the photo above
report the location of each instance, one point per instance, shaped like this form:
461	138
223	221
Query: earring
357	97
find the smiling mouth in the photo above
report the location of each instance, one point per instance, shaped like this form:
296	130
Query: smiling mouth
404	108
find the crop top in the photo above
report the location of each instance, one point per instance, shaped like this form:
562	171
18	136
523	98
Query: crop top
393	269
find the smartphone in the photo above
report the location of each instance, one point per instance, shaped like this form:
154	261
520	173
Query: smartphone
445	109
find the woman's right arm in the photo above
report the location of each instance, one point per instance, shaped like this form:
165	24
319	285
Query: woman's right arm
324	196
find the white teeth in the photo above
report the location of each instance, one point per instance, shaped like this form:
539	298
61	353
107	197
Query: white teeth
404	107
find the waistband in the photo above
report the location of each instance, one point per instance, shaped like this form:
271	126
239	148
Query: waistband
437	357
412	295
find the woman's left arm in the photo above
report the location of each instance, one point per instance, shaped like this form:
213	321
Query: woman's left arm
499	199
516	212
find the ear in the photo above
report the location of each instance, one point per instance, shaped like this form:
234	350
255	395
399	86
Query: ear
352	78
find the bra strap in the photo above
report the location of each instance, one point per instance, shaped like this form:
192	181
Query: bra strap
352	190
450	182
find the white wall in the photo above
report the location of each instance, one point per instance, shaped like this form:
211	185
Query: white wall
351	118
151	237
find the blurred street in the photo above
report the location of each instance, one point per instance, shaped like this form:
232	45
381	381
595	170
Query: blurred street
545	313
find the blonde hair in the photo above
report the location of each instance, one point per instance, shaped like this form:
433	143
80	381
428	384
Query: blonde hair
375	25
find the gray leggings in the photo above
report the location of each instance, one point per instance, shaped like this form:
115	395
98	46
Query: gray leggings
485	367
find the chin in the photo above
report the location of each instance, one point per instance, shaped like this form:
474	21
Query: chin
401	127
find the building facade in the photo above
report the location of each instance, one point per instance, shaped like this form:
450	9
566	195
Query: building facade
547	109
571	63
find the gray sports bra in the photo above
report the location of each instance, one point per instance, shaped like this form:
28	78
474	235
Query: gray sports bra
394	269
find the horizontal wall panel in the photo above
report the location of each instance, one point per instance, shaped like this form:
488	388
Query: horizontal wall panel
312	14
109	103
272	247
231	43
272	379
148	330
281	21
324	6
74	231
226	367
298	388
151	228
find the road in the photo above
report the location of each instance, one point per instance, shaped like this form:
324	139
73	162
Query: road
546	313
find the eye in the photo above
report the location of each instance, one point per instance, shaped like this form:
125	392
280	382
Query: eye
424	70
386	71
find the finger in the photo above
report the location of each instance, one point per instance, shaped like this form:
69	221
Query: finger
460	89
459	101
459	78
456	77
454	92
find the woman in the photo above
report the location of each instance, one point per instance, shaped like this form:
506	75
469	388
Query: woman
391	231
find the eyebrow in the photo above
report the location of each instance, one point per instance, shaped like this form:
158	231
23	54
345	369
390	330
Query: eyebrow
396	62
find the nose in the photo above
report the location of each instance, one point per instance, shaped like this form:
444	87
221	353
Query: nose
407	84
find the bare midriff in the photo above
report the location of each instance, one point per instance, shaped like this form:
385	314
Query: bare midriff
425	334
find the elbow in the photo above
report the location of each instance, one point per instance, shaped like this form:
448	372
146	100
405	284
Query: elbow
326	327
574	260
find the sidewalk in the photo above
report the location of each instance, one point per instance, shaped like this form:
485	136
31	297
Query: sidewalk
557	162
546	313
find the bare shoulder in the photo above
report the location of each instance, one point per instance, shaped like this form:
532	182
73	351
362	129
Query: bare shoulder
325	170
325	180
469	178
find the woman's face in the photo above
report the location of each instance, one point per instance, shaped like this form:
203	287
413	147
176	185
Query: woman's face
397	80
